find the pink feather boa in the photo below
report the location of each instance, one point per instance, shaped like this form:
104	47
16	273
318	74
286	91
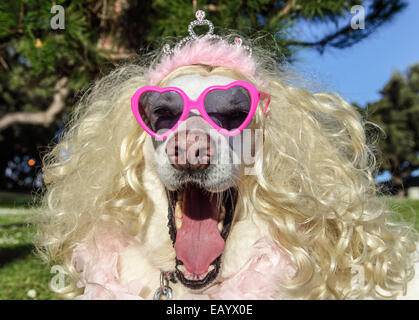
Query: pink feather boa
205	51
259	278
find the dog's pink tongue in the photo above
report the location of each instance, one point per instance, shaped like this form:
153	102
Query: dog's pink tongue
198	241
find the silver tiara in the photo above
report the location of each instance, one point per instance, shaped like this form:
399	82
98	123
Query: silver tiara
200	21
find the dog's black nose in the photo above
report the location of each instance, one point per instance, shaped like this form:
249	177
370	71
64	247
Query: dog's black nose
190	150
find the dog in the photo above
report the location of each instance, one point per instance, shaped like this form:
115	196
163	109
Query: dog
207	176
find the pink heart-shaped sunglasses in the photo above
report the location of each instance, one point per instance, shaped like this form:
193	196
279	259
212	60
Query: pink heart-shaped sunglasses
227	108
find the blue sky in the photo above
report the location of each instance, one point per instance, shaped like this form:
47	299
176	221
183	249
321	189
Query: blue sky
359	72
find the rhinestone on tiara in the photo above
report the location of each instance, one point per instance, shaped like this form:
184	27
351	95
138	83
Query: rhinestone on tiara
201	21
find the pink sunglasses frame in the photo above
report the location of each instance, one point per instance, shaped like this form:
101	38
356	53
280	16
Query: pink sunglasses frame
188	104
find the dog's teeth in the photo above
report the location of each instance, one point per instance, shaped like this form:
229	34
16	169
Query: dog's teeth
222	213
178	214
178	223
211	267
181	268
202	276
179	210
220	226
179	196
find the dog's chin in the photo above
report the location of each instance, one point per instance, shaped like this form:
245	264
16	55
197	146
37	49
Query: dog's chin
199	223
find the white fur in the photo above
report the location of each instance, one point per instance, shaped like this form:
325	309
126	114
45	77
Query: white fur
194	84
144	261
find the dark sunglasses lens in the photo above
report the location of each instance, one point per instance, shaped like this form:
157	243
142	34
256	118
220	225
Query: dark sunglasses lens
228	108
160	111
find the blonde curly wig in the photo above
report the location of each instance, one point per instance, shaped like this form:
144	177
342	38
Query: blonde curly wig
313	186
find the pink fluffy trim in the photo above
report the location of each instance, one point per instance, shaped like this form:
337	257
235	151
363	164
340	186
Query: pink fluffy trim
205	51
259	279
97	263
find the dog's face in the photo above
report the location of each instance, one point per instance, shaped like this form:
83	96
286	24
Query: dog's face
199	169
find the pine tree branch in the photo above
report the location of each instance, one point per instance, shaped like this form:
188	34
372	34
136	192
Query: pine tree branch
290	5
22	2
44	118
346	36
4	64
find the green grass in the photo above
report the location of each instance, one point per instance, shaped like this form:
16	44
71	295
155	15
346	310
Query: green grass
21	270
409	209
13	199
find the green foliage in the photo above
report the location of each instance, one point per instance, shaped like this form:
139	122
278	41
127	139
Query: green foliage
75	51
45	52
408	209
99	34
397	113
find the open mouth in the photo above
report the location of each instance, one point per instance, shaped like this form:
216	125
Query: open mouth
199	224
